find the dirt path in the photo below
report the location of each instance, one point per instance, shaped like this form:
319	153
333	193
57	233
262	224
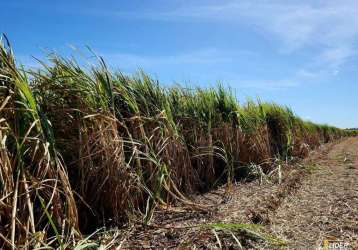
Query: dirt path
317	199
326	204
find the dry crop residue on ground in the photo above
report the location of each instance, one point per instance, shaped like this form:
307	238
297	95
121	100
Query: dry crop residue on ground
316	200
326	204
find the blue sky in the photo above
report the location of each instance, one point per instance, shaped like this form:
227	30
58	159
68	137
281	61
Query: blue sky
299	53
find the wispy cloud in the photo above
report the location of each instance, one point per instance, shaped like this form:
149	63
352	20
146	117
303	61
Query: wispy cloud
295	79
336	57
269	84
295	23
326	30
330	27
206	56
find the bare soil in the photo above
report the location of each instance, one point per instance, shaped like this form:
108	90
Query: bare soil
313	200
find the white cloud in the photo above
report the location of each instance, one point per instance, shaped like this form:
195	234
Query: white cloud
326	30
269	84
329	29
207	56
335	57
296	24
304	73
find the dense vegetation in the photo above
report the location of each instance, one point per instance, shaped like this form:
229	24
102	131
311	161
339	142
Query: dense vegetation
83	147
352	131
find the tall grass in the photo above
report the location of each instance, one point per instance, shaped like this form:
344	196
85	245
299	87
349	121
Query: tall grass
87	147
